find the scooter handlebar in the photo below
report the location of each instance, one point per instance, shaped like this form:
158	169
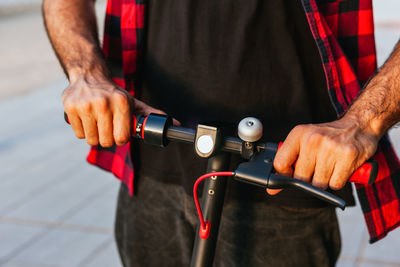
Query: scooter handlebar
366	174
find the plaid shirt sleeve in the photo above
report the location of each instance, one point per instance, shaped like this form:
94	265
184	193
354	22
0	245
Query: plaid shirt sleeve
344	34
122	46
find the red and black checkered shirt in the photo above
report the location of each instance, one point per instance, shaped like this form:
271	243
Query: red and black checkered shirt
344	34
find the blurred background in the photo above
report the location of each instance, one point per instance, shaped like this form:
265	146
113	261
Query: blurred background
56	210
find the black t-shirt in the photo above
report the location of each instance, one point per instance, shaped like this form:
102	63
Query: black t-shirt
223	61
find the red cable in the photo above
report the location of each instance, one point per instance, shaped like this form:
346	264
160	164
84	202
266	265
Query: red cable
203	223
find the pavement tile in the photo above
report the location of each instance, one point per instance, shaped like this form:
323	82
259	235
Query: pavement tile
108	257
24	69
352	230
385	250
29	139
13	237
394	135
345	263
23	155
62	247
16	120
20	187
99	212
385	41
369	263
73	193
382	12
352	240
18	263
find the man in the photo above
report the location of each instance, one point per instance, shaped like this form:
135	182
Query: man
225	60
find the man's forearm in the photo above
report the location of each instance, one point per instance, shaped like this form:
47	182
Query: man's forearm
98	109
326	154
378	106
72	29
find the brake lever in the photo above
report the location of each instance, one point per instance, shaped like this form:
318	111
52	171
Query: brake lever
259	171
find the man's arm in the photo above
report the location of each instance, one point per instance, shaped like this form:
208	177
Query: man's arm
328	153
97	109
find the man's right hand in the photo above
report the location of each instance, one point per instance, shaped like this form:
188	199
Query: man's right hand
97	108
101	112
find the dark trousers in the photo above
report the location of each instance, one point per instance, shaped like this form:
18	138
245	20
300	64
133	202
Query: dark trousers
157	228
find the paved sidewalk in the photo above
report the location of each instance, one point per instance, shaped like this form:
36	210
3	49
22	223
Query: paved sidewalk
55	210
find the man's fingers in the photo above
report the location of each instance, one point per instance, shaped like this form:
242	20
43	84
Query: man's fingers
175	122
90	129
105	128
350	161
305	165
286	155
76	125
323	171
144	109
273	192
121	129
341	173
122	119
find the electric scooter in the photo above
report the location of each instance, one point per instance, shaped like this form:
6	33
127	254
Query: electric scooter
211	142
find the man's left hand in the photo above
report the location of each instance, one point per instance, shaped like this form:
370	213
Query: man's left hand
325	154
